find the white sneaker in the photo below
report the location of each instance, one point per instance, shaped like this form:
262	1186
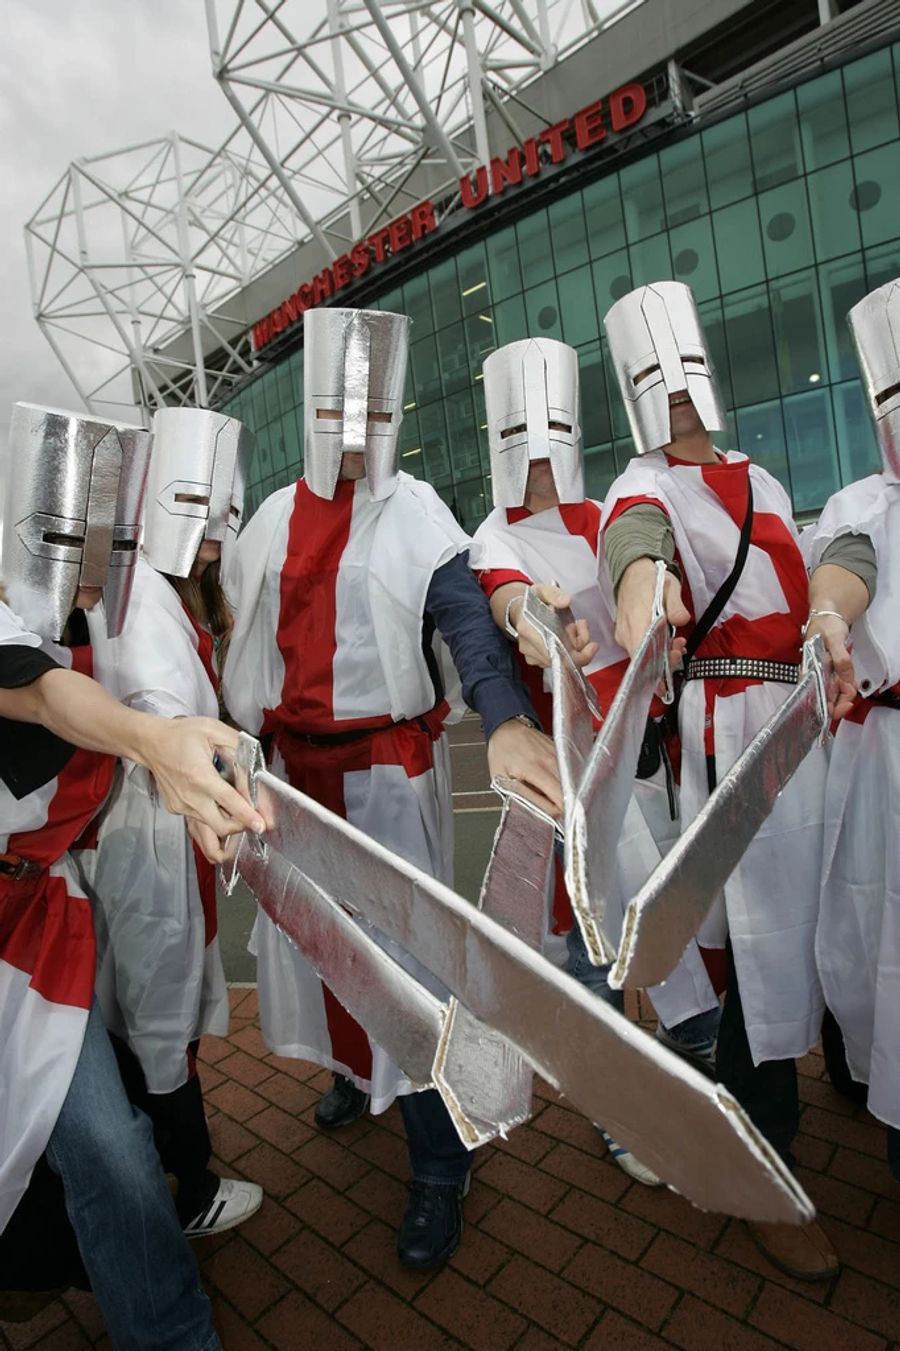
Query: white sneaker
234	1202
628	1163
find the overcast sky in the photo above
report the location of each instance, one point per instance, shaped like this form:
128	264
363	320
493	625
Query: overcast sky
83	79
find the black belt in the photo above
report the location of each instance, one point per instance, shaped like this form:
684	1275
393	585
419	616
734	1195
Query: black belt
742	668
333	738
889	699
18	868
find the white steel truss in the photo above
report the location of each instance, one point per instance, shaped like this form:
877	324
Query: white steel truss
348	112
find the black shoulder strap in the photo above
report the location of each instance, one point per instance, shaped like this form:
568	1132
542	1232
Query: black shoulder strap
725	591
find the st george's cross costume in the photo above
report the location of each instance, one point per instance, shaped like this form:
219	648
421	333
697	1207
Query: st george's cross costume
769	908
70	511
339	589
858	941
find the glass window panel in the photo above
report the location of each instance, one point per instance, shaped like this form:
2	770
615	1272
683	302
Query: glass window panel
599	470
445	293
576	303
694	258
595	418
392	302
811	450
269	383
642	199
729	171
871	101
282	378
650	260
412	460
479	340
713	322
481	422
291	438
738	245
509	321
823	121
462	435
612	280
568	233
787	238
417	304
263	455
409	389
454	358
534	255
760	434
751	351
474	284
876	197
835	220
260	415
799	336
433	431
858	452
841	285
426	371
503	264
882	265
542	311
472	503
684	182
603	215
775	141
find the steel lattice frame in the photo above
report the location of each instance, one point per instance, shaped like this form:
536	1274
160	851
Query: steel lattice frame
344	108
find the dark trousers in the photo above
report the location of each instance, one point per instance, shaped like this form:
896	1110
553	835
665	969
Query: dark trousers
767	1092
435	1150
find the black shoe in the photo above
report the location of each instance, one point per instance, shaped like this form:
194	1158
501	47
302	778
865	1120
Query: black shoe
432	1226
342	1104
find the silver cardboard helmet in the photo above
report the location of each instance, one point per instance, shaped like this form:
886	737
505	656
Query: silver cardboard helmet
875	328
533	404
354	371
657	347
72	514
195	489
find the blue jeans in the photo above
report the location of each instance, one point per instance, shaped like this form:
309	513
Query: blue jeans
435	1150
142	1271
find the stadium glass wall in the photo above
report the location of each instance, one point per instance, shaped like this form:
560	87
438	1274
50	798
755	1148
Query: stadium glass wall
780	218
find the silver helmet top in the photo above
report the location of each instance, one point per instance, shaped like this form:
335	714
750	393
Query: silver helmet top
71	513
195	489
533	403
658	349
354	371
875	328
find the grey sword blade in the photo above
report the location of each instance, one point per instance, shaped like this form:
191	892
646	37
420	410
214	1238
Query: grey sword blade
691	1132
668	911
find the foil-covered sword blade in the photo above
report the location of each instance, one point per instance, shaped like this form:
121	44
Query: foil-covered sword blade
670	908
690	1131
515	893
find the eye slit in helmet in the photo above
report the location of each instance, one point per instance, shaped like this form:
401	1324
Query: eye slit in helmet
560	426
887	394
642	375
127	546
698	359
57	537
513	431
380	417
330	414
235	511
195	499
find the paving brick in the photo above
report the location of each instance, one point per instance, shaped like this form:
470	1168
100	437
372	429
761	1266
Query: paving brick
234	1332
270	1227
326	1158
696	1326
868	1303
526	1144
386	1151
737	1246
480	1201
384	1322
866	1252
210	1077
531	1234
598	1176
604	1224
236	1101
809	1328
467	1312
276	1173
213	1049
229	1138
615	1333
536	1339
374	1249
812	1065
833	1197
810	1152
563	1124
552	1303
479	1256
238	995
622	1284
296	1322
244	1278
318	1269
244	1069
295	1069
291	1095
327	1211
67	1337
528	1185
281	1129
863	1136
546	1091
21	1335
86	1311
381	1196
822	1093
668	1210
861	1170
250	1039
706	1275
885	1220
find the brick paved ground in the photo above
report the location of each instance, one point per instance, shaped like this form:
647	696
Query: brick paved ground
560	1249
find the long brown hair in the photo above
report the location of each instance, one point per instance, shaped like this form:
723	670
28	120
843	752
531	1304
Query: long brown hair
206	602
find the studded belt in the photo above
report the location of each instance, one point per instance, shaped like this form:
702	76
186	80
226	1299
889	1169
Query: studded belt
741	668
18	868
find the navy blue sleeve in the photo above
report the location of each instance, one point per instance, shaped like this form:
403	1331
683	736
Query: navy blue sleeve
482	656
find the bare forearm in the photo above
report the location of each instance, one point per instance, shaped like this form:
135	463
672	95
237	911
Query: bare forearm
81	712
834	588
501	598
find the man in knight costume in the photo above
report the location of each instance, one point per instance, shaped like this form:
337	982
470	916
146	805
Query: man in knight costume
543	526
854	603
72	516
737	594
341	584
